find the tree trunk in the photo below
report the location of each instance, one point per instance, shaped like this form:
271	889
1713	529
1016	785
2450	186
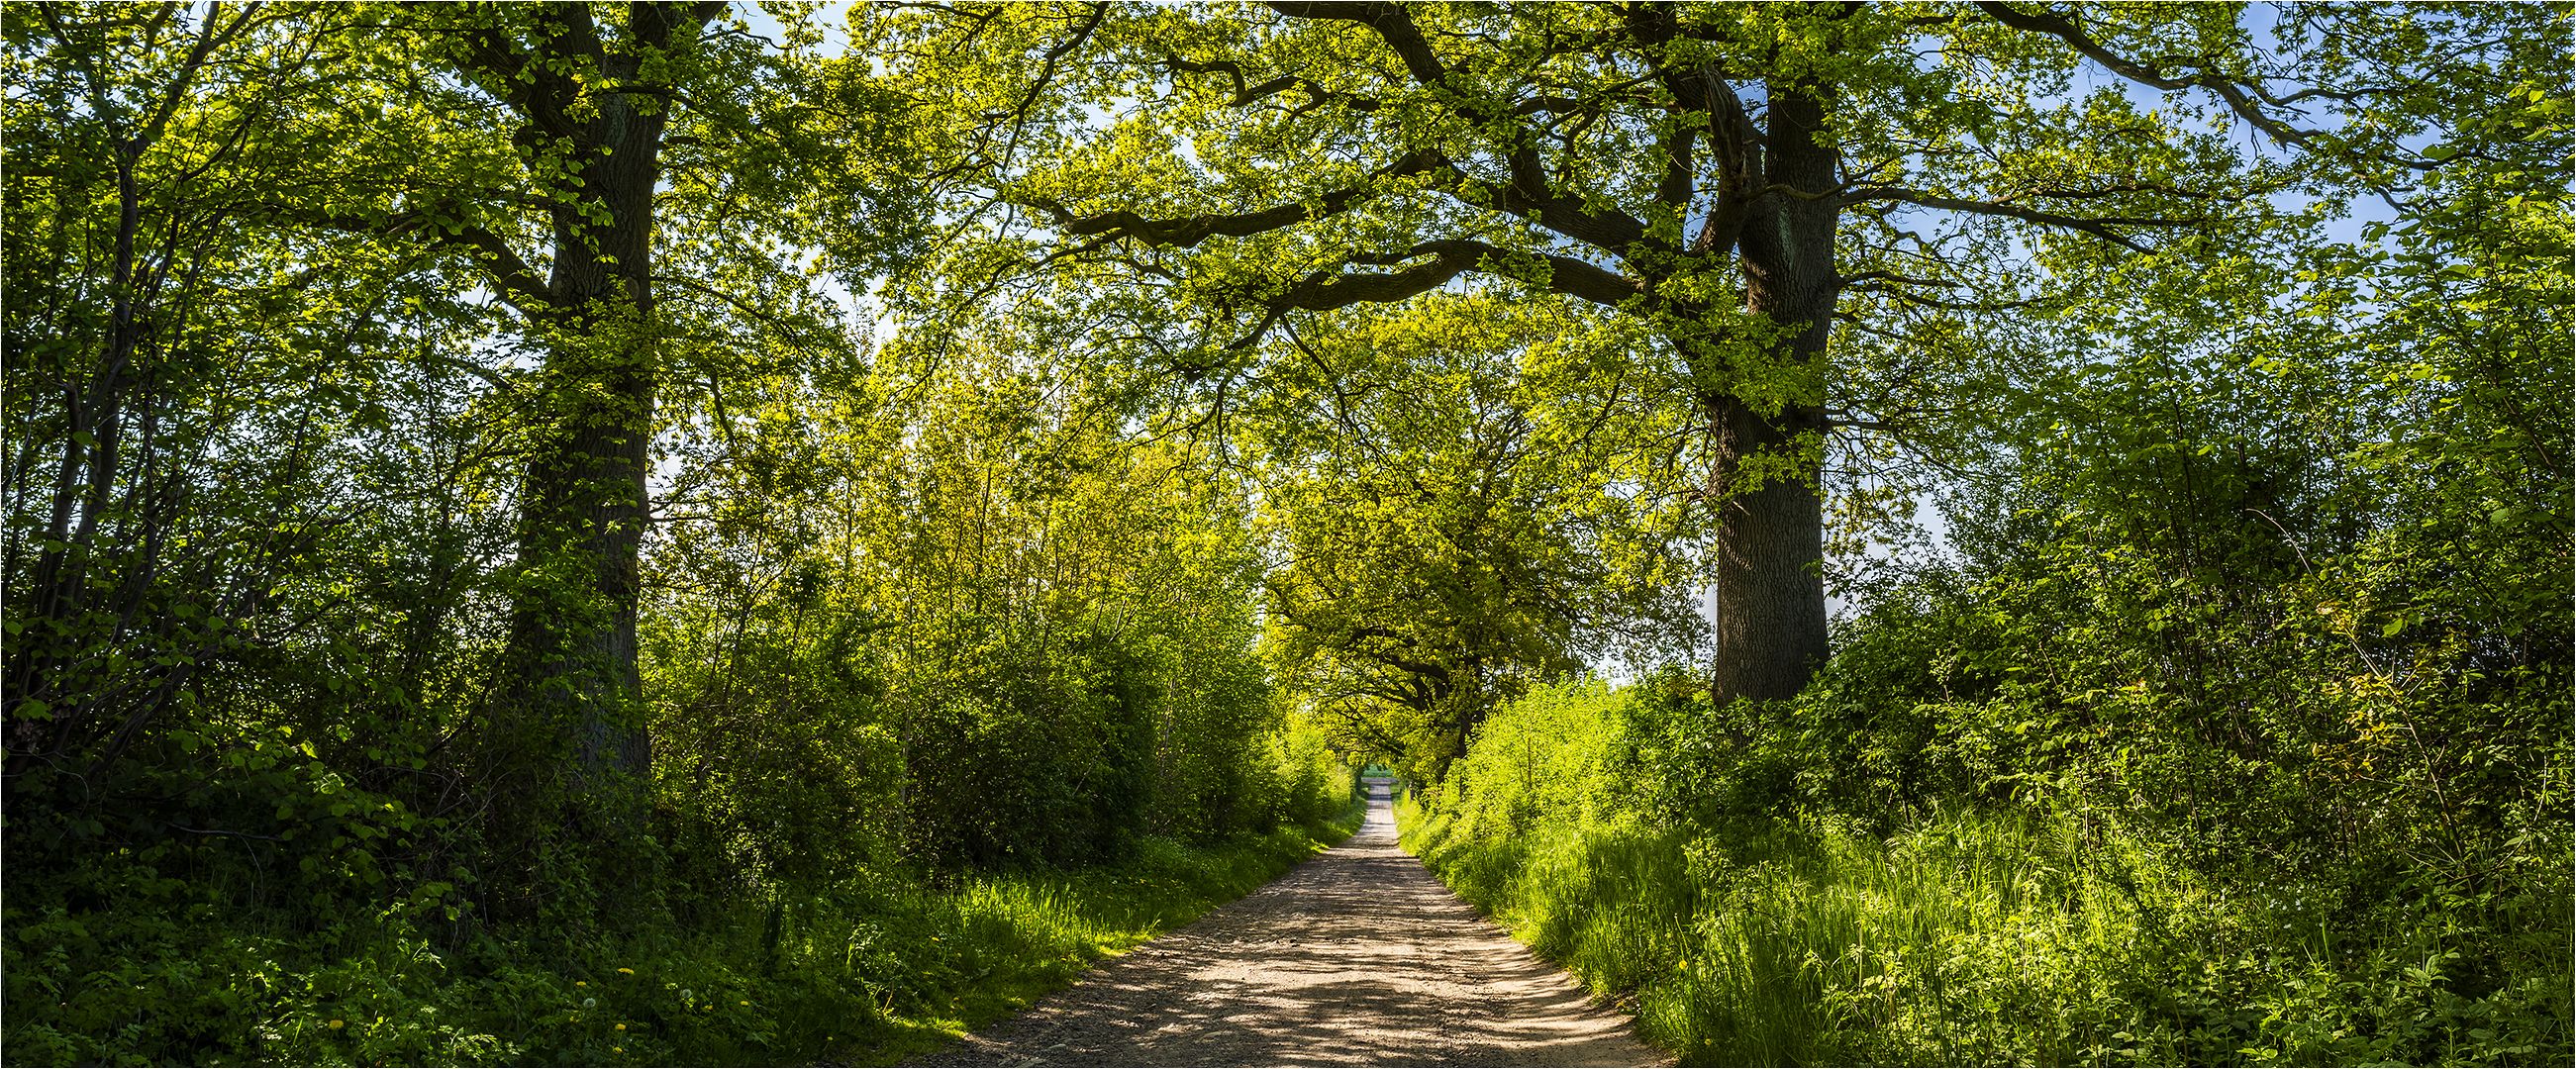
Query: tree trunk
583	505
84	487
1770	546
1770	556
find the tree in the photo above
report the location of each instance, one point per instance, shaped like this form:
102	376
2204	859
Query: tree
1749	182
225	409
275	271
1461	500
621	178
88	362
590	103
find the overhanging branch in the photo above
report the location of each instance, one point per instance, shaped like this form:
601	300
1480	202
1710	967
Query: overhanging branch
1331	288
2246	99
2098	226
1190	231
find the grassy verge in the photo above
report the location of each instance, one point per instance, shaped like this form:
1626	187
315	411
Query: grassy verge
1002	942
873	969
1990	938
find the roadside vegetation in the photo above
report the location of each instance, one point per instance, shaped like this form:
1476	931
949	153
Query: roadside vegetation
769	532
2232	729
874	968
1982	932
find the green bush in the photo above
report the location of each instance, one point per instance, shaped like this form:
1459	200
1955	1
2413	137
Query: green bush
871	967
1775	929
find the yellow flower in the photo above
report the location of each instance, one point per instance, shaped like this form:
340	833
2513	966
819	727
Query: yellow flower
581	983
338	1023
621	1026
629	972
746	1002
620	1050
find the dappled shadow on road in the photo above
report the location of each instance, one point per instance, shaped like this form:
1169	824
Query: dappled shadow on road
1356	957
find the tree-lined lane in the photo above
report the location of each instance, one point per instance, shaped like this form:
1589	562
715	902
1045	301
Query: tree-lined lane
1358	957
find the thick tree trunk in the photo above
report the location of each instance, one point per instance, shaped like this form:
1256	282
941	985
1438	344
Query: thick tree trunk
1770	559
1770	553
573	641
583	507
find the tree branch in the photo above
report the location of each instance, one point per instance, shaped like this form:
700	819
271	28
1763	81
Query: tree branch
1328	289
1529	194
2100	227
519	283
1392	26
1246	93
2240	97
1188	232
1054	58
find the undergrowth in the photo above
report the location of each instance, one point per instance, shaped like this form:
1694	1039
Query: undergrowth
869	970
1981	935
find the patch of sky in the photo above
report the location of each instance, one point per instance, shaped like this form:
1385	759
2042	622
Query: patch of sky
830	21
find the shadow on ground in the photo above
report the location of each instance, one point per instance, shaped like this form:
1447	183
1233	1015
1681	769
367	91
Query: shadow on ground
1356	957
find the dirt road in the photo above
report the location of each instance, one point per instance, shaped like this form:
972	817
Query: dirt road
1358	957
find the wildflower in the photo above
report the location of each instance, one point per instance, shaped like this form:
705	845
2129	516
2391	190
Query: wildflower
629	972
621	1026
619	1050
581	983
746	1002
338	1023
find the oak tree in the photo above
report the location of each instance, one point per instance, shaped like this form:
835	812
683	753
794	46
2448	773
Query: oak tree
1759	185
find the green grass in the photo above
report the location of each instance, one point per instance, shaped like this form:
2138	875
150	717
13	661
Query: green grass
874	969
999	943
1990	938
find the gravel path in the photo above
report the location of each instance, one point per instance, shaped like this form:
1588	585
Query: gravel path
1358	957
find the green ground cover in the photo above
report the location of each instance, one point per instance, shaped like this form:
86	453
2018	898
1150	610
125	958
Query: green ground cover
870	970
1986	935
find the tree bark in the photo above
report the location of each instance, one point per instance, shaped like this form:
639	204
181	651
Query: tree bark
1770	626
575	694
583	504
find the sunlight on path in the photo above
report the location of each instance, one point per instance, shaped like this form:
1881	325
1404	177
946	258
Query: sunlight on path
1357	957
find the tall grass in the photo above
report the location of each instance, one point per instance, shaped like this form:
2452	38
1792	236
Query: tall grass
935	962
1974	936
871	969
